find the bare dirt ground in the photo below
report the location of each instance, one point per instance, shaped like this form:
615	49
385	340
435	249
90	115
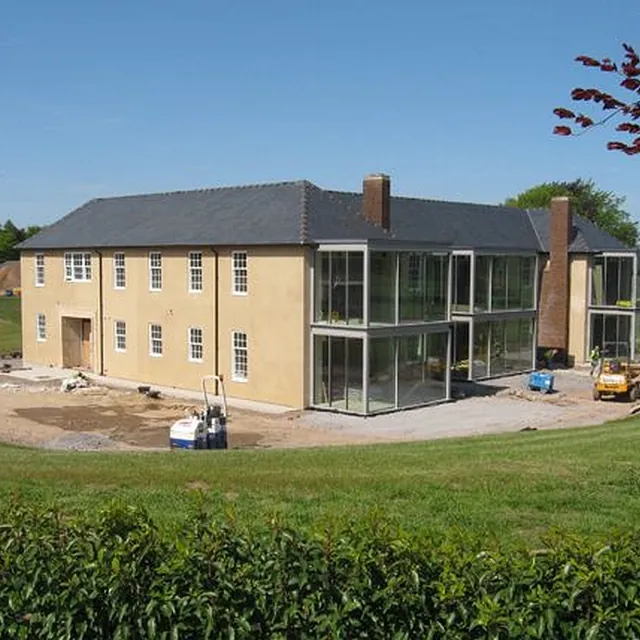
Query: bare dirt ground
37	413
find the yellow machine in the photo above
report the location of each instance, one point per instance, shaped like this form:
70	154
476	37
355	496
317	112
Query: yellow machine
617	378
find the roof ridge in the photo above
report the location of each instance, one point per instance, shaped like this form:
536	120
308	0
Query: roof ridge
434	200
535	230
304	212
260	185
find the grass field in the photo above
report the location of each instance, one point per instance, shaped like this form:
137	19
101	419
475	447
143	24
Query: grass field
10	330
502	488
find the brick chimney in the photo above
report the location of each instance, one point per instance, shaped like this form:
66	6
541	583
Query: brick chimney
376	190
553	328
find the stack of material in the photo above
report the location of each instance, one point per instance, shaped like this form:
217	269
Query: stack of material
9	276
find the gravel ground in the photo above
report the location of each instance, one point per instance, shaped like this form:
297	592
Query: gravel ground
504	406
34	412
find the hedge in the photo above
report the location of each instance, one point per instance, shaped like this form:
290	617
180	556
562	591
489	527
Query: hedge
116	575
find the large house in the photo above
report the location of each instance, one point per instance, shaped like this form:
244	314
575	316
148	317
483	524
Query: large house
305	297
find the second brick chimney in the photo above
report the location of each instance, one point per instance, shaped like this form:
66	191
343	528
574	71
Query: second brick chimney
553	330
376	189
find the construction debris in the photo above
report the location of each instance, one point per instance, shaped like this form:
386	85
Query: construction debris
77	381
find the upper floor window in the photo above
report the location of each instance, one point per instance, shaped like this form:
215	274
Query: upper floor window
155	271
340	287
119	273
240	276
77	267
155	340
196	349
240	365
39	270
195	271
612	281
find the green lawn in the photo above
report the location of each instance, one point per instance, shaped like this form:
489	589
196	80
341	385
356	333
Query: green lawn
507	488
10	330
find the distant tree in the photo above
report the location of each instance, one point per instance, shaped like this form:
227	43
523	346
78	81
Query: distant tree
10	236
603	208
628	71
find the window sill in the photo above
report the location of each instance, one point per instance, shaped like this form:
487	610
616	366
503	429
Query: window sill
119	288
41	339
155	290
196	361
120	350
155	355
240	293
40	285
196	291
239	379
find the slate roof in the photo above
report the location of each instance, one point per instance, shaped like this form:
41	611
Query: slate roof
298	213
586	237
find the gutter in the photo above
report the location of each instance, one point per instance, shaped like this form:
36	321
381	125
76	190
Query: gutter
101	312
216	318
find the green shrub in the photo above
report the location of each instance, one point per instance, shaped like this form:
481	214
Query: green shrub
116	576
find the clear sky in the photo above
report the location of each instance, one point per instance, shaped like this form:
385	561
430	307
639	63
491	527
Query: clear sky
453	99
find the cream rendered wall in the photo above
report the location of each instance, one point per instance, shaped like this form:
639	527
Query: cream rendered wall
274	314
174	308
56	299
578	306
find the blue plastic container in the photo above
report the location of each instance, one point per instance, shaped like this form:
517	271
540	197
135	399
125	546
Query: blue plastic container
539	381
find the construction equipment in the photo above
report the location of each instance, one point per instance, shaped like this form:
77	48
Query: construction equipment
206	429
617	378
541	381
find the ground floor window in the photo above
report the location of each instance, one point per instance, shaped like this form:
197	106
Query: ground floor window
120	336
403	371
240	364
155	340
502	347
41	327
612	333
196	344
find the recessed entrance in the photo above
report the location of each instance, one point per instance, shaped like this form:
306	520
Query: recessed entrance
76	343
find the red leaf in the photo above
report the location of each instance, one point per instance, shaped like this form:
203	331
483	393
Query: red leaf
585	121
564	113
588	62
562	131
608	66
628	127
616	146
630	83
631	70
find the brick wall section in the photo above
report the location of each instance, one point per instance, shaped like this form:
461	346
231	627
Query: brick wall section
376	189
553	316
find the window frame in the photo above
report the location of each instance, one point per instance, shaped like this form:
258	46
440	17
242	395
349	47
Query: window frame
154	340
195	270
191	344
155	269
119	269
41	327
39	270
236	362
71	264
117	335
239	273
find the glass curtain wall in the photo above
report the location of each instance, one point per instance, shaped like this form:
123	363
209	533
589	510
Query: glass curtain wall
612	282
461	302
504	283
612	333
340	287
503	347
421	282
338	373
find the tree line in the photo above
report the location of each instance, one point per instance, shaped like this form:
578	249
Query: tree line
11	236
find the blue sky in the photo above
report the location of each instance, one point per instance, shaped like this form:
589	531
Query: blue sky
453	99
